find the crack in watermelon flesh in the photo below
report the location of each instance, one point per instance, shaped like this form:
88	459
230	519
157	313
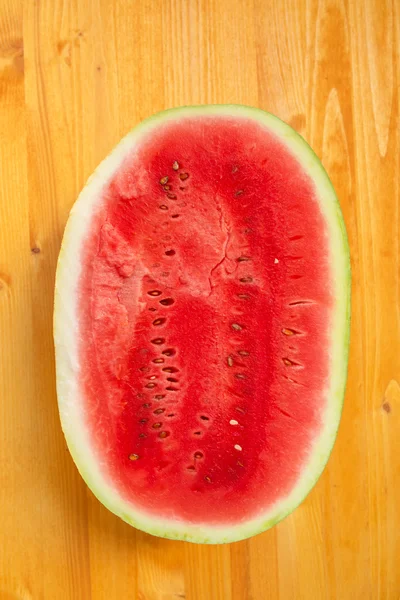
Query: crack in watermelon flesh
205	304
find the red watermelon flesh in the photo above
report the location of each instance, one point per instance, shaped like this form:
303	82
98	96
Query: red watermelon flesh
205	304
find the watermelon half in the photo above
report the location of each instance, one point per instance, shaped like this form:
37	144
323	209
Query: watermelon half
202	324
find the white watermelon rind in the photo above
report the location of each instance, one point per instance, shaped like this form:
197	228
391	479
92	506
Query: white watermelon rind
66	335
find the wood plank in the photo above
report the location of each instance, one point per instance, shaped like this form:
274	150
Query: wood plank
74	77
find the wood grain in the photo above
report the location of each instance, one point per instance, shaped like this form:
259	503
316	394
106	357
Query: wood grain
74	77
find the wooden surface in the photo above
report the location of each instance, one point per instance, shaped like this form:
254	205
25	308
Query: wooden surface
75	75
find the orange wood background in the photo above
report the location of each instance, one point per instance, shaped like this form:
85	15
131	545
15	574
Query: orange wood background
75	75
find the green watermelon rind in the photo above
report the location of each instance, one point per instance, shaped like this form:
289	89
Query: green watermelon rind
66	334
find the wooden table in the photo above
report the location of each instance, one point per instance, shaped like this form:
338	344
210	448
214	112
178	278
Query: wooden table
75	75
